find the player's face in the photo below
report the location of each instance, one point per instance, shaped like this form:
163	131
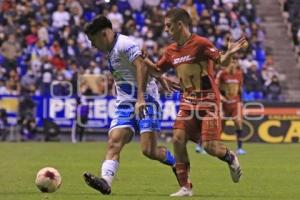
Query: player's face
171	28
99	41
234	63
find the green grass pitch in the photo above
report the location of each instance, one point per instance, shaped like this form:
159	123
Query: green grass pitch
270	172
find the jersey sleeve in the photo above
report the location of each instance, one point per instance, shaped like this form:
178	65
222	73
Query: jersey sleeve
209	50
131	50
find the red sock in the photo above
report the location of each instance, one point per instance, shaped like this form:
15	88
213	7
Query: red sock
182	174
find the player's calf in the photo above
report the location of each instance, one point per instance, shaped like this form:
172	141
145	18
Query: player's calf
214	148
181	171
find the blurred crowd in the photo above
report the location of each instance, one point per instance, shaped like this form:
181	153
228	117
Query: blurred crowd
291	13
42	41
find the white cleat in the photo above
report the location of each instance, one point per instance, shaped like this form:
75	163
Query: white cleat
183	192
235	169
240	152
199	149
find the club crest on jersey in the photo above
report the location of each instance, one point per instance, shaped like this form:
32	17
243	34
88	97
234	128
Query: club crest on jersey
182	59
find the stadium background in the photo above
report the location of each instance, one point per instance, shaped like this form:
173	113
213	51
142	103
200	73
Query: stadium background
47	65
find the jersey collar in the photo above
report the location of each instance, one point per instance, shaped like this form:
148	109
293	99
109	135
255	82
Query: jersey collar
114	42
180	46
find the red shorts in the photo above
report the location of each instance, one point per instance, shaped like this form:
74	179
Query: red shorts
232	109
203	120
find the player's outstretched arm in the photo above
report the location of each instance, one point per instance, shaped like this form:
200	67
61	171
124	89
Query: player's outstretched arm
141	77
167	83
232	48
152	68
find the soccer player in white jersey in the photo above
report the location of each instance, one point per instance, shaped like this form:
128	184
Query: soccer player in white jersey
137	108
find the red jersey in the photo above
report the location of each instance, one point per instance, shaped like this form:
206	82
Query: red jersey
193	62
230	83
195	50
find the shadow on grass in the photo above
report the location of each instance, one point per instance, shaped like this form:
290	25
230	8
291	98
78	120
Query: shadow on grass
40	193
209	196
132	195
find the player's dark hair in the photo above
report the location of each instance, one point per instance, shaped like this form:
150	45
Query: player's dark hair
179	14
97	24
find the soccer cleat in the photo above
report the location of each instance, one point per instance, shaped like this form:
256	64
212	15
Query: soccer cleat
183	192
240	152
199	149
97	183
235	169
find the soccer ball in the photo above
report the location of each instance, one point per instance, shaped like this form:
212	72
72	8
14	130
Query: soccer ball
48	179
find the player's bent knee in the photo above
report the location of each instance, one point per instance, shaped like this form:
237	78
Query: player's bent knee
118	138
114	142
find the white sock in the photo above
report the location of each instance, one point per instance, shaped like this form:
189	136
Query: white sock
109	169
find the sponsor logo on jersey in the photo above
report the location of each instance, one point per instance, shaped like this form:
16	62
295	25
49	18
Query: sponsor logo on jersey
182	59
232	81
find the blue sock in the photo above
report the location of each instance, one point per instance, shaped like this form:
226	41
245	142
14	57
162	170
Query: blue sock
169	159
239	133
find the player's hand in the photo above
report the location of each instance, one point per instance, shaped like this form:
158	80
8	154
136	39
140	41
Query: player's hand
168	84
140	108
236	46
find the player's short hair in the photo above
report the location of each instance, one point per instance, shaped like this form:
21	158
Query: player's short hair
179	14
97	24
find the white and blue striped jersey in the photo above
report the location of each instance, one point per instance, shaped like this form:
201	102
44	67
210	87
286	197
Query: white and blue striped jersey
123	53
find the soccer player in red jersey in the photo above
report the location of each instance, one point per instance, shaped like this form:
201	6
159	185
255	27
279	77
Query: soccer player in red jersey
230	81
199	115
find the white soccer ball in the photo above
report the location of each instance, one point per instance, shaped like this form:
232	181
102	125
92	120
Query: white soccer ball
48	179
